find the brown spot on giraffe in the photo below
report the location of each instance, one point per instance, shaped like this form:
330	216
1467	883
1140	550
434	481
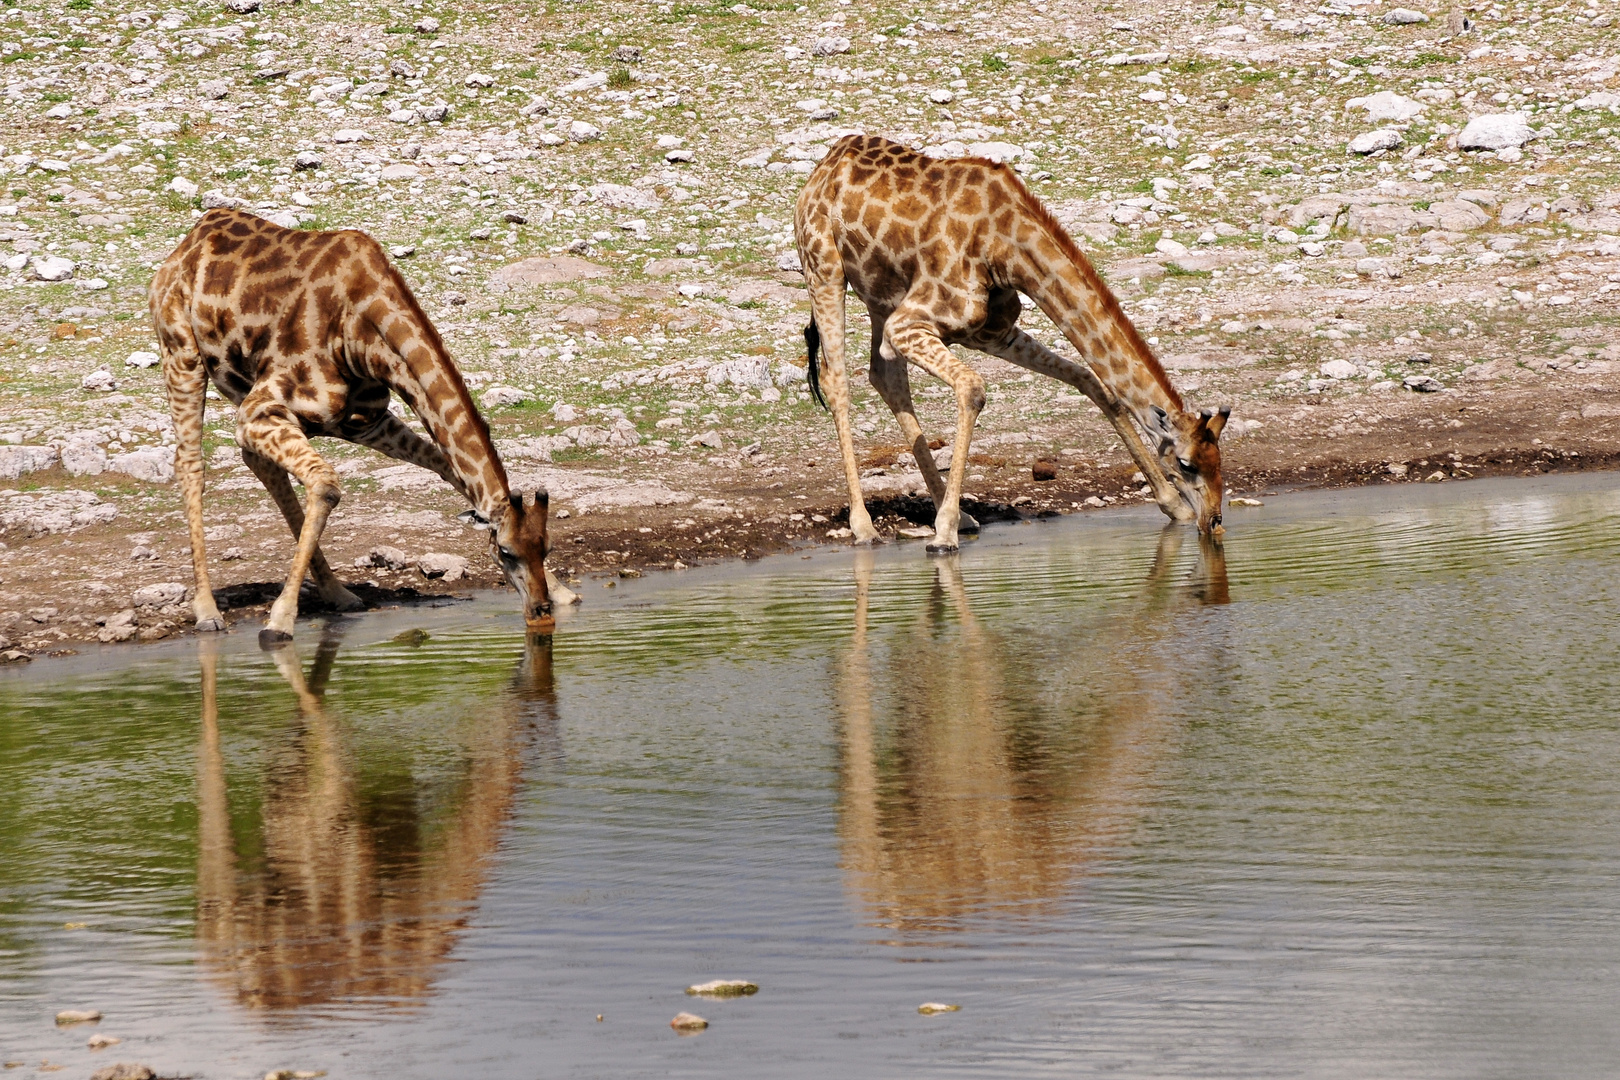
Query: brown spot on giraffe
927	280
303	354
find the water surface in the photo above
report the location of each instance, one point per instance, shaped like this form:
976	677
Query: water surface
1336	800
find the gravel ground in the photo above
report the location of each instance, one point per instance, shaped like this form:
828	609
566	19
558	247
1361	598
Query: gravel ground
1389	237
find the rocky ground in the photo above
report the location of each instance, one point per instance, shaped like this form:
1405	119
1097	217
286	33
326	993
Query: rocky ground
1389	237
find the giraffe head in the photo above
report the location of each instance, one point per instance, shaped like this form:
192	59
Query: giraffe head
520	544
1192	460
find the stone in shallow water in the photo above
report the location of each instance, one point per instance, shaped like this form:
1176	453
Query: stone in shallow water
688	1022
929	1008
723	988
78	1016
126	1070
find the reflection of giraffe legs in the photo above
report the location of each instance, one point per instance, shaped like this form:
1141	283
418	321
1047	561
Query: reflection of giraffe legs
216	849
863	840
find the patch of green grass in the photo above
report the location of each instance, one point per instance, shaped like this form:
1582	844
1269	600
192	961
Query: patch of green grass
744	46
23	55
237	173
1359	61
992	62
1172	270
1192	67
397	28
54	197
1142	185
1424	59
619	78
54	96
526	73
1256	76
75	43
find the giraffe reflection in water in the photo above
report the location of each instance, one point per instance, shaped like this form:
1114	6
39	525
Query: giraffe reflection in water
351	896
981	776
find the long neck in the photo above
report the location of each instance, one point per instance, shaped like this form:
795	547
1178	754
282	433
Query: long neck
1054	273
432	386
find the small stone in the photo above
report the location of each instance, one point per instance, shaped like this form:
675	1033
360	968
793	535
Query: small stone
1403	17
214	89
676	157
51	267
387	557
1397	469
710	439
142	360
160	595
929	1008
242	7
515	217
1043	470
414	637
78	1016
306	160
101	1042
1239	501
723	988
402	116
583	131
1387	105
437	111
351	135
1338	369
941	97
437	564
59	112
830	46
402	251
125	1070
1496	131
1422	384
1369	142
153	465
686	1021
217	199
483	232
400	170
99	381
427	24
1169	247
500	397
627	54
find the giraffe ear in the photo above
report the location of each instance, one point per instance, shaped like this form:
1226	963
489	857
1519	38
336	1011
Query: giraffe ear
542	498
1159	427
1215	421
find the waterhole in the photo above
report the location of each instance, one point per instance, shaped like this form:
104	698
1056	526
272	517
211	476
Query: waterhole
1337	799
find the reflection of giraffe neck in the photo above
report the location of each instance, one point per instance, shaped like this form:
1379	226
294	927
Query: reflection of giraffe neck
1046	265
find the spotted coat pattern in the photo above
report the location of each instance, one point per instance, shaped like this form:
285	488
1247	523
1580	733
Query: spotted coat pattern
308	333
939	251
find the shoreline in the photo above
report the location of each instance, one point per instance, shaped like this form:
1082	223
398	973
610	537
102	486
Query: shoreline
597	550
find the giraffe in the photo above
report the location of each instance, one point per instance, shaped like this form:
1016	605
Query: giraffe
938	251
307	333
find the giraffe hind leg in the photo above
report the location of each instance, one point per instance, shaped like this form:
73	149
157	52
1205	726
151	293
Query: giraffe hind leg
274	479
187	384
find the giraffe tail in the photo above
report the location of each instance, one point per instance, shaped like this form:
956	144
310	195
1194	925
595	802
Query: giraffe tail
812	344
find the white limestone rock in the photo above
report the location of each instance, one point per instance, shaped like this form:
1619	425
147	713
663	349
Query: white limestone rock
1496	131
1369	142
1388	106
142	359
51	267
160	595
151	464
18	461
437	564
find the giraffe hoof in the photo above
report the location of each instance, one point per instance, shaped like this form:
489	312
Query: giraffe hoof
214	625
273	639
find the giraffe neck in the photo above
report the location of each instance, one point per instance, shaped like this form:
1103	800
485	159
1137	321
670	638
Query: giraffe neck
431	384
1054	273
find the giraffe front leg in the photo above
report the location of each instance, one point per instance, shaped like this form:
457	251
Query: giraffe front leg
186	380
917	339
274	479
893	384
269	430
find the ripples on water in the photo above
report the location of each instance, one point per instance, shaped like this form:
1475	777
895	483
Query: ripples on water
1337	801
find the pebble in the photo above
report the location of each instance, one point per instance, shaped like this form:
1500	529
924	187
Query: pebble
1240	501
101	1042
1338	369
499	397
581	131
685	1021
306	160
51	267
78	1016
385	556
427	24
294	1074
1495	131
1369	142
929	1008
1423	384
437	564
830	46
125	1070
723	988
99	381
160	595
142	360
1403	17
